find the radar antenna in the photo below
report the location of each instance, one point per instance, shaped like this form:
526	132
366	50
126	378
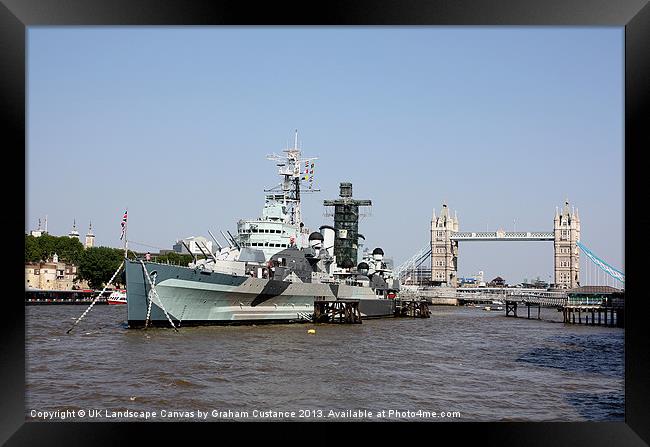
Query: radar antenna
297	175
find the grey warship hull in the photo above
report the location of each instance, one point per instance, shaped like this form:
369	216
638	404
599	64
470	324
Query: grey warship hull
192	296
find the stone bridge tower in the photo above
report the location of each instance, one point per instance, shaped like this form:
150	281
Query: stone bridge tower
566	227
444	251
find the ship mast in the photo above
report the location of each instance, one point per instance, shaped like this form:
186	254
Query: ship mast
292	173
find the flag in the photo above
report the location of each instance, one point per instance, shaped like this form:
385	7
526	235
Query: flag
123	225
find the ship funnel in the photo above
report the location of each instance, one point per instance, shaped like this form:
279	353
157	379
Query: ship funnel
328	238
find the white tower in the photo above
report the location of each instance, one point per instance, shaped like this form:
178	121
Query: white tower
90	237
74	232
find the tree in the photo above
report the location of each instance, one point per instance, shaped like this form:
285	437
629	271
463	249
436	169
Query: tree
32	249
174	258
43	247
68	249
97	265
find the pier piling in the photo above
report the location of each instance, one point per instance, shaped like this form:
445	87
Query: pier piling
412	308
337	311
511	307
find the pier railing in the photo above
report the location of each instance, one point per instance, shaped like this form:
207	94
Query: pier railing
535	296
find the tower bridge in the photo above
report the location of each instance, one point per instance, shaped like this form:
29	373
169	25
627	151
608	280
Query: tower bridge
504	235
445	237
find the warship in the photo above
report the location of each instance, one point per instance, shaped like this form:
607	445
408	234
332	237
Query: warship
273	269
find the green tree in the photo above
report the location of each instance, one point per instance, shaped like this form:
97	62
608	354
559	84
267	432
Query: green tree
69	249
43	247
174	258
32	249
97	265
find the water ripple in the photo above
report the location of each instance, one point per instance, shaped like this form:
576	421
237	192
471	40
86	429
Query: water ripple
486	366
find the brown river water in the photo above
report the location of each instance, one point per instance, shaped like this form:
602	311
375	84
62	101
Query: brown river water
462	364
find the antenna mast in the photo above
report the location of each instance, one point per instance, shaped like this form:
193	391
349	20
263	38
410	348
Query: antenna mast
292	172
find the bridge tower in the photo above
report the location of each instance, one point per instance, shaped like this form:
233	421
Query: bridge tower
566	227
444	251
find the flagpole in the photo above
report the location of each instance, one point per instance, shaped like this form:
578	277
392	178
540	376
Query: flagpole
126	240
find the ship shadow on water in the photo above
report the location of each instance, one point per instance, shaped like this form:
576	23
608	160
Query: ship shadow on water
599	406
597	357
598	354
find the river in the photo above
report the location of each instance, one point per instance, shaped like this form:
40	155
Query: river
462	364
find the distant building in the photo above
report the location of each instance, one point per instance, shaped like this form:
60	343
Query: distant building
535	284
420	276
38	232
193	242
467	282
74	233
51	275
497	282
90	237
595	295
472	281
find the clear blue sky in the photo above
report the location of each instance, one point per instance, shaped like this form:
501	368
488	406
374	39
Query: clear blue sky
502	123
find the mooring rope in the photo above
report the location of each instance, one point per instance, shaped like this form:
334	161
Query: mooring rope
96	298
153	289
146	321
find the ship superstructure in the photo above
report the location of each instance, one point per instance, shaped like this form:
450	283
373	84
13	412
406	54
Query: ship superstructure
281	225
273	269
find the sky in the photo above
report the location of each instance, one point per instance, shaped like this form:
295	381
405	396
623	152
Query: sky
502	123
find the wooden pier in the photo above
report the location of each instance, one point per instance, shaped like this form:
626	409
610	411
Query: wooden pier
594	315
511	308
591	305
43	297
337	311
412	308
595	306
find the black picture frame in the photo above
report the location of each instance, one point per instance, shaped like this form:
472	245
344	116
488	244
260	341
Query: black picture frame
634	15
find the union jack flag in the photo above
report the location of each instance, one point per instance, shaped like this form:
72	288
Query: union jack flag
123	225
